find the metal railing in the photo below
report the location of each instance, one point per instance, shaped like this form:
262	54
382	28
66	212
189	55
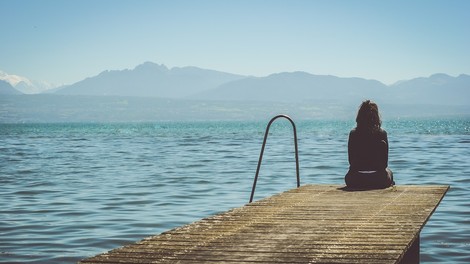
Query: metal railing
262	151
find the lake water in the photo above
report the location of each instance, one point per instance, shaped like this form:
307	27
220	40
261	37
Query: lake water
70	191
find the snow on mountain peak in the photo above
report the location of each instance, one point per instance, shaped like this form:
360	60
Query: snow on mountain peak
13	79
25	85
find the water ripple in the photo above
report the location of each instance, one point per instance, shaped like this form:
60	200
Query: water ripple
75	190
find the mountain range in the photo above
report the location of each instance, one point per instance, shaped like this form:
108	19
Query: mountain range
437	89
154	80
151	80
191	83
151	92
25	85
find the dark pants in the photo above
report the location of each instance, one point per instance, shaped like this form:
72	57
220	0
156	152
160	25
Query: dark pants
375	180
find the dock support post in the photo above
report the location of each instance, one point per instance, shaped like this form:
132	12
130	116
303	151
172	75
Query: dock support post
412	254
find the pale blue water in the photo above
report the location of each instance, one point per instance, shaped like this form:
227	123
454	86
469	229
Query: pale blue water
70	191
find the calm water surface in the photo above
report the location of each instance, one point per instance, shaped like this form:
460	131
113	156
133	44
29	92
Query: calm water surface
71	191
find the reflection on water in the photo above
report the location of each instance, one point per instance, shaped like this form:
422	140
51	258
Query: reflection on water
74	190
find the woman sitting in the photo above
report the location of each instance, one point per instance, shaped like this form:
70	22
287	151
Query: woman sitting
368	151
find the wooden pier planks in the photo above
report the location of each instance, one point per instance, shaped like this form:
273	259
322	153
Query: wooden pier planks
310	224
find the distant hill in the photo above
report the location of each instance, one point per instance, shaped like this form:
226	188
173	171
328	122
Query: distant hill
7	89
154	80
24	85
295	87
150	80
154	92
440	89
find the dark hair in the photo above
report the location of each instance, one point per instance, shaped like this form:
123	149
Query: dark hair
368	117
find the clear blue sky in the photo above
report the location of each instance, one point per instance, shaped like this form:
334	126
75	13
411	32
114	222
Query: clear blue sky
65	41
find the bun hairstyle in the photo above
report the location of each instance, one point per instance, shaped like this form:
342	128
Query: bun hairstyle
368	117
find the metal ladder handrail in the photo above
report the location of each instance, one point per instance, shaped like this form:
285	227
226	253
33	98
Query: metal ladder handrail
262	151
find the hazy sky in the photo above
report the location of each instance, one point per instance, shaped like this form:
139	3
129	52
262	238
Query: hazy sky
65	41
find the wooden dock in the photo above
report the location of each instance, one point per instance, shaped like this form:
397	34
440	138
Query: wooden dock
310	224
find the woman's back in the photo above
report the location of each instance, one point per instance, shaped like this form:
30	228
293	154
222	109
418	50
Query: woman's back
367	150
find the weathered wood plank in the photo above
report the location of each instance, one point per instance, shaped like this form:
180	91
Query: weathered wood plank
310	224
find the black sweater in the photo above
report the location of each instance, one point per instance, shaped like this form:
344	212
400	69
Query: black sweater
368	151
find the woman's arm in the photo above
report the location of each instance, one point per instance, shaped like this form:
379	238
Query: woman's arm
384	151
351	149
